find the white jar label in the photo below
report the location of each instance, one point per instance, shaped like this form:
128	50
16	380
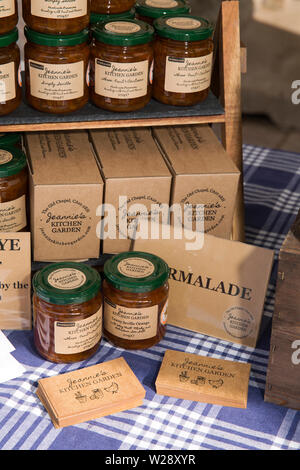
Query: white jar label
137	268
59	9
13	215
66	278
7	8
130	323
188	75
78	336
121	80
7	82
162	3
56	82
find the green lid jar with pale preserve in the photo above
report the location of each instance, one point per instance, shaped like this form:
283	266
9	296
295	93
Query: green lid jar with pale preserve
135	293
183	59
151	10
67	306
13	189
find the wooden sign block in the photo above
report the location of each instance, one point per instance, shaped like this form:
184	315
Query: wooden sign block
90	393
203	379
283	375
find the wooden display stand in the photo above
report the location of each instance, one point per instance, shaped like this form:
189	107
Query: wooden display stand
283	376
224	110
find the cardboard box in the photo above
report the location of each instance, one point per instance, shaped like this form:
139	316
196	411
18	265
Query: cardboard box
203	379
66	189
133	168
90	393
15	281
218	290
202	174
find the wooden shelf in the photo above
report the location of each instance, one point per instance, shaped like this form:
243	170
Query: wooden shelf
26	119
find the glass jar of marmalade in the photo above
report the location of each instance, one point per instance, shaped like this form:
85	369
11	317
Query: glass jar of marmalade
121	64
150	10
135	293
56	69
111	7
67	312
183	54
8	15
53	17
10	86
13	189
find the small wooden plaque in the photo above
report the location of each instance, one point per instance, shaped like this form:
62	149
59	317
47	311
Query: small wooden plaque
204	379
90	393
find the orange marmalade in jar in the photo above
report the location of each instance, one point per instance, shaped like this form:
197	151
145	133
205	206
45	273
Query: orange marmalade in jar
56	69
67	311
8	15
111	7
183	55
121	64
53	17
135	293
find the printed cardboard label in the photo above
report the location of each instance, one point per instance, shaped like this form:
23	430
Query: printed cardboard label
205	379
188	75
15	281
78	336
7	82
67	278
121	80
60	9
13	215
56	82
130	323
136	267
7	8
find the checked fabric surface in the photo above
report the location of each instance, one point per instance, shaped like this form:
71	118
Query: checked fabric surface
272	196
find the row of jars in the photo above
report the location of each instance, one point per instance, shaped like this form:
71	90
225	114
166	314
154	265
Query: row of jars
120	69
73	307
53	17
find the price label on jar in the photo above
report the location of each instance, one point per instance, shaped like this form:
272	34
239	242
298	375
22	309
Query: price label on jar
60	9
7	8
56	82
188	75
121	80
7	82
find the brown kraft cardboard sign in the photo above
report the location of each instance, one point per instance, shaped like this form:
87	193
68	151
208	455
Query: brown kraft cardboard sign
218	290
15	281
90	393
203	379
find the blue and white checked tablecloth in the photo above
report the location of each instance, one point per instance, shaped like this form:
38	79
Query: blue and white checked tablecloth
272	196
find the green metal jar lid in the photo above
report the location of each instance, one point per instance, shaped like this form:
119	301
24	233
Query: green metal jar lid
126	15
123	32
184	28
136	271
159	8
9	38
9	139
67	283
56	40
12	161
